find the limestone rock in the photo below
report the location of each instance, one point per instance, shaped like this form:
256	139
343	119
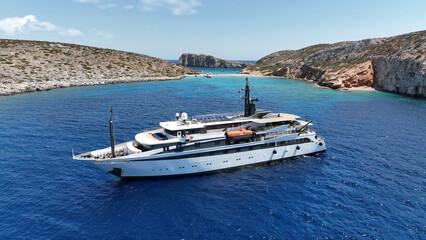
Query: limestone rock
405	76
202	60
394	64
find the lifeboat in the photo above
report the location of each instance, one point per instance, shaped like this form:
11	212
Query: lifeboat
239	136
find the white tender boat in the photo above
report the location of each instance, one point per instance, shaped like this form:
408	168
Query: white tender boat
208	143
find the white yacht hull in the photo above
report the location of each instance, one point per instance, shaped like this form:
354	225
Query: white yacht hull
200	165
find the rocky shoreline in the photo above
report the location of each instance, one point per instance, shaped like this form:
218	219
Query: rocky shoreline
27	66
26	87
395	64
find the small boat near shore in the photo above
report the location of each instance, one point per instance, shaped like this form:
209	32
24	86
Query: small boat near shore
208	143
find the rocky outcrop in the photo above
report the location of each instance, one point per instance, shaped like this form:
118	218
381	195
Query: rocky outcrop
202	60
405	76
394	64
24	87
36	66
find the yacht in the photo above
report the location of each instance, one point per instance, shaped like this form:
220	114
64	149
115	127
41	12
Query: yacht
208	143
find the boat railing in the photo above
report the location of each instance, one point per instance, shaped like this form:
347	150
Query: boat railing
227	115
283	133
263	129
150	129
279	133
120	150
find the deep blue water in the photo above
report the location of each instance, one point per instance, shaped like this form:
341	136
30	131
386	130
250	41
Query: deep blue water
369	184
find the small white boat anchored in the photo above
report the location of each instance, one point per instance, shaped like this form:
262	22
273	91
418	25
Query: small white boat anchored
208	143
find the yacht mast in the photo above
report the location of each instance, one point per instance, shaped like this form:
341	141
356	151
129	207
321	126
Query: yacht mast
249	105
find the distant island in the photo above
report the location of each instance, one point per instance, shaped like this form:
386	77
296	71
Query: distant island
27	66
203	60
393	64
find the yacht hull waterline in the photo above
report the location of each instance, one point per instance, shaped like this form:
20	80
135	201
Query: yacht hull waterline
209	143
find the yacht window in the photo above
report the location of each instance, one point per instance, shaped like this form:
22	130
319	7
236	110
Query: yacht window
170	132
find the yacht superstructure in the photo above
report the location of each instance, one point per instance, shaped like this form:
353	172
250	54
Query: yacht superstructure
208	143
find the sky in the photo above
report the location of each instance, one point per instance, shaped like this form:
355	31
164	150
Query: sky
230	29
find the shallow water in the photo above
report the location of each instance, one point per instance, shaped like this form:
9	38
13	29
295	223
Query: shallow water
369	183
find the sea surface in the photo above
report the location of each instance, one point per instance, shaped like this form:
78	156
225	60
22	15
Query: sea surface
370	184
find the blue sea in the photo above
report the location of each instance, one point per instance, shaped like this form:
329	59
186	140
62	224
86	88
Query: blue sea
370	184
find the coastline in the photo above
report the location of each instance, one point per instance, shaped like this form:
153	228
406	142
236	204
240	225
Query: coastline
27	87
369	89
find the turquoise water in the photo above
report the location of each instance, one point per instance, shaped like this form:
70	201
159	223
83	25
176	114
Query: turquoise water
219	70
368	185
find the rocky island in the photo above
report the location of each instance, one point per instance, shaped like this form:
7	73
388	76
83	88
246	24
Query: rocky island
202	60
394	64
27	66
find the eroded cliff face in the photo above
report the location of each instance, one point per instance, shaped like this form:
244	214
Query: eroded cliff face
357	76
394	64
405	76
202	60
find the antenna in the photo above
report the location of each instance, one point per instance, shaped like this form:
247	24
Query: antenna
111	134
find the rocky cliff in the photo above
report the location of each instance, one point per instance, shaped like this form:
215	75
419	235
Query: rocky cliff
202	60
406	76
35	66
394	64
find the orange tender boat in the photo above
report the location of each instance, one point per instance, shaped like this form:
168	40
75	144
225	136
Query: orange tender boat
240	132
242	135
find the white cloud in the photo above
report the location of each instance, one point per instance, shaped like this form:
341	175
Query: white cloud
14	25
71	32
177	7
102	4
102	34
11	26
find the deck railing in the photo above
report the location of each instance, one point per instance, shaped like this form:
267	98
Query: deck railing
231	114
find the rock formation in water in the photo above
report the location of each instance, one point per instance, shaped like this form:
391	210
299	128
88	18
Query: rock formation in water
202	60
395	64
27	66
